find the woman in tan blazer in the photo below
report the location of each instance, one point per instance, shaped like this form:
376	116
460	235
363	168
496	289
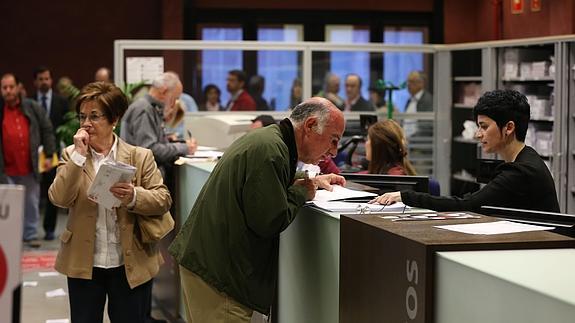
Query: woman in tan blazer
101	250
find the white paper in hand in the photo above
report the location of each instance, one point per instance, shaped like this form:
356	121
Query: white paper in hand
110	173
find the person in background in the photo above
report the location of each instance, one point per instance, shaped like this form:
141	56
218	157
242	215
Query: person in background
101	251
240	99
25	126
256	86
22	90
354	101
186	101
211	96
228	247
56	107
263	120
296	93
523	181
66	88
377	97
103	74
174	121
331	89
386	149
142	125
420	101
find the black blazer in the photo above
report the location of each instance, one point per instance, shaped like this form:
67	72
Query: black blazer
58	108
525	183
362	105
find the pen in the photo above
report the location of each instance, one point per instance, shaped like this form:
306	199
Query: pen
189	133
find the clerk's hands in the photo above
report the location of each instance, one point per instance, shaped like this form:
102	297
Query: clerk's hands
123	191
192	145
387	198
309	185
81	142
325	181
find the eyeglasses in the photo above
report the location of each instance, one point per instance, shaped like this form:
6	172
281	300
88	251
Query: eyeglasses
93	117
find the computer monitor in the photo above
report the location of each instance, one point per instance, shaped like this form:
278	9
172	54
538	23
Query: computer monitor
366	120
563	223
219	130
390	183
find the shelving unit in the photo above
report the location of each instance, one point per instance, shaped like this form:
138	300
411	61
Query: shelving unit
531	71
466	79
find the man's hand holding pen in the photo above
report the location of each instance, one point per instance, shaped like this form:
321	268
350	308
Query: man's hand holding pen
309	184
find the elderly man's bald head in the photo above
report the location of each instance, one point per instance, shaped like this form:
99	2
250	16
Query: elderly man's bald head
318	126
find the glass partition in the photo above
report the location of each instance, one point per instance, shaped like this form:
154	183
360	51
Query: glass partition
358	78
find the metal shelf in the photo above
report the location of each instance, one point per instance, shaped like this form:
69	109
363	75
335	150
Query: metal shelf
462	106
545	119
465	141
533	79
467	78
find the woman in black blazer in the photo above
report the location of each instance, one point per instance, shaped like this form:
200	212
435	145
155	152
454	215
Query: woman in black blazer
523	181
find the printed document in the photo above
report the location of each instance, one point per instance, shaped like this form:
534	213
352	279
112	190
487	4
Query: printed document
497	227
350	207
339	193
110	173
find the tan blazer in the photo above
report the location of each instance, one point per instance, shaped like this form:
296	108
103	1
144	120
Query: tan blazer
69	190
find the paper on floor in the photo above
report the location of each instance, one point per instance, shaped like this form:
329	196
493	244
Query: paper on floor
55	293
48	273
30	283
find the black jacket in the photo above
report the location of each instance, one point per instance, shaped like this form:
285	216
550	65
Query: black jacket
58	108
525	183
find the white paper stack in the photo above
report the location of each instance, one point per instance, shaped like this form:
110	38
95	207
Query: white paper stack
110	173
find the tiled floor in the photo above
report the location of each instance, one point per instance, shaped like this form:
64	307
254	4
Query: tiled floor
36	306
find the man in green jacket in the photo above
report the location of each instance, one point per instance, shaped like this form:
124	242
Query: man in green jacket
228	248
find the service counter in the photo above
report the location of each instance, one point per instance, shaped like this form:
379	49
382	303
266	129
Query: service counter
383	272
505	286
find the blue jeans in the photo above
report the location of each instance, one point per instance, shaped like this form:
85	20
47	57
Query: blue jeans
31	203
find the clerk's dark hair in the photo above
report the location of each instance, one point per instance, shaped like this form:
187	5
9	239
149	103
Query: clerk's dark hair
503	106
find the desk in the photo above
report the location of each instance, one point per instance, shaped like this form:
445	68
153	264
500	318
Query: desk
387	269
308	282
505	286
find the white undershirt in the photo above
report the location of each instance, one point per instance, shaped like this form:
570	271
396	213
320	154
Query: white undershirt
107	247
410	125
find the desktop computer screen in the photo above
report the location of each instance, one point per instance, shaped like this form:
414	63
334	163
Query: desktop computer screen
390	183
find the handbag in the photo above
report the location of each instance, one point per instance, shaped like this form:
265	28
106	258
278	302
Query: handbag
152	227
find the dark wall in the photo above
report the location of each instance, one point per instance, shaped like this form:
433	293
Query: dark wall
382	5
555	18
72	37
75	37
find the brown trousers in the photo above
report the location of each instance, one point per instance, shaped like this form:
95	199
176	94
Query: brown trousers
206	304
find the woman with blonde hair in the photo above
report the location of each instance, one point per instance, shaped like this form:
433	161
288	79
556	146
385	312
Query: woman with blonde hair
386	150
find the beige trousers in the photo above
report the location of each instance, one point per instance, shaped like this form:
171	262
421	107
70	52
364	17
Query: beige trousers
205	304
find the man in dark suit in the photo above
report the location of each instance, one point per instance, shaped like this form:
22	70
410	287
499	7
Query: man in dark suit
420	101
56	106
354	101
